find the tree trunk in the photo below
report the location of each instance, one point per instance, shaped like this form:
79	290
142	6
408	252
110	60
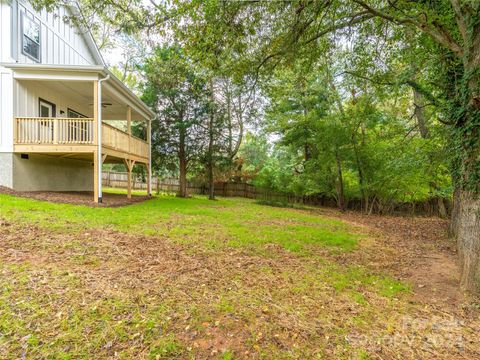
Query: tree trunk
361	180
442	209
182	191
467	229
452	227
419	104
211	182
340	190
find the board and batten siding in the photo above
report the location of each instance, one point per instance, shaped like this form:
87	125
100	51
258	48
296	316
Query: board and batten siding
61	42
6	87
28	93
5	31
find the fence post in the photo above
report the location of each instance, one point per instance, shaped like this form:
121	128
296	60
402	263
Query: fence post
158	185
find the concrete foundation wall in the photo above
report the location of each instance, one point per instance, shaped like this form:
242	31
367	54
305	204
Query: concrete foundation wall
6	169
50	173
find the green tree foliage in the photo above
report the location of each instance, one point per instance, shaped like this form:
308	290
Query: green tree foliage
177	92
383	157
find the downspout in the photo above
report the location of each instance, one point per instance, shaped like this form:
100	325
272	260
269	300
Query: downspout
150	157
99	136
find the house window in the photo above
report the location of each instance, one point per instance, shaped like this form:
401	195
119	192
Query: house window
30	37
74	114
78	130
46	108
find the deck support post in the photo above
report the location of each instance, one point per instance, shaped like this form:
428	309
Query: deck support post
95	177
129	164
149	165
149	180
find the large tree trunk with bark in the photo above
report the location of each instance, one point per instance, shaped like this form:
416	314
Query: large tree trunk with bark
452	227
419	105
340	190
211	181
182	157
467	227
467	231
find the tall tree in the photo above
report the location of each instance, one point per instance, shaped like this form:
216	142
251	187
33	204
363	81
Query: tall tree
177	93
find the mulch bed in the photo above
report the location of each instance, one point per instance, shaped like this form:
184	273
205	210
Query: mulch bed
77	197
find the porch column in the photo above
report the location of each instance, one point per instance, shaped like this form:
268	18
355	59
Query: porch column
96	165
98	105
95	141
149	166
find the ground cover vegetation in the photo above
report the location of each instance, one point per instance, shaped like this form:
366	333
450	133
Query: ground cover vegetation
189	278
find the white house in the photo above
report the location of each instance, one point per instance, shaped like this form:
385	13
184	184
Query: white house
56	95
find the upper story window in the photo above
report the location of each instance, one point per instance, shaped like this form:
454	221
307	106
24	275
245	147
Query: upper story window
30	37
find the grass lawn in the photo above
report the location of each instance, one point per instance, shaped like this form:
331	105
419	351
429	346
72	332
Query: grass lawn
190	278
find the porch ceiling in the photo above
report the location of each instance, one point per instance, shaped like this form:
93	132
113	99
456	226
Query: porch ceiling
79	79
113	108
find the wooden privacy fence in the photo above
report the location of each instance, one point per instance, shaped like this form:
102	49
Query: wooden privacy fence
241	189
172	185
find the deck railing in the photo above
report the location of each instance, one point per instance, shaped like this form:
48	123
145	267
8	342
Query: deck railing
119	140
72	131
34	130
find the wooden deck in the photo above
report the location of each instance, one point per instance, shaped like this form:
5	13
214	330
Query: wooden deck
76	136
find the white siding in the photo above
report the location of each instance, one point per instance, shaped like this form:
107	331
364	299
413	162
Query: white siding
61	42
5	32
6	110
29	92
6	94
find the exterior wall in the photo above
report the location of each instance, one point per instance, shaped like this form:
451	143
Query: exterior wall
49	173
6	110
6	169
28	93
5	31
61	43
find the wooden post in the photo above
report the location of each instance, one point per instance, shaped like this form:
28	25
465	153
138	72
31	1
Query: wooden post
95	112
95	141
129	128
129	164
95	176
129	181
55	132
149	181
149	166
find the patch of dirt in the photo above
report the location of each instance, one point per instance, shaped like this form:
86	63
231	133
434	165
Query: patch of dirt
77	197
415	249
